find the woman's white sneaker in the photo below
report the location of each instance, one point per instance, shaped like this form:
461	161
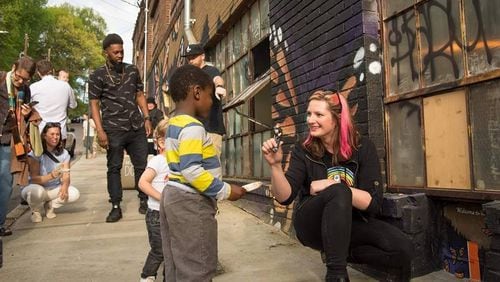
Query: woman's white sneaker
36	217
49	210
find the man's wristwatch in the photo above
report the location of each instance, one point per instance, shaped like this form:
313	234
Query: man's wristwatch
147	118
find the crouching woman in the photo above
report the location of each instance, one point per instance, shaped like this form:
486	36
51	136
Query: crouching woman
49	186
335	174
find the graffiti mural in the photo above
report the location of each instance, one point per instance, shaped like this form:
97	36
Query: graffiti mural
462	248
431	42
296	72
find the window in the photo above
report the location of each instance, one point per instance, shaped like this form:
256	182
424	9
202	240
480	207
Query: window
442	99
425	41
405	146
482	22
485	120
243	57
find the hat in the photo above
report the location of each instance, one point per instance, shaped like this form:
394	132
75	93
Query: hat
151	100
193	50
111	39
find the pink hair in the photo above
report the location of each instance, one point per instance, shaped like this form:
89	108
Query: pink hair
346	128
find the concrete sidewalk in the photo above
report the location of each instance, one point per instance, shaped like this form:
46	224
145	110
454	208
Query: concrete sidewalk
79	246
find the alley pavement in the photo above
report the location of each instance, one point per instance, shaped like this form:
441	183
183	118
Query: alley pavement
78	245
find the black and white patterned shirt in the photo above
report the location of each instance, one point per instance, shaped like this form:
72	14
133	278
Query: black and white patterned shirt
117	93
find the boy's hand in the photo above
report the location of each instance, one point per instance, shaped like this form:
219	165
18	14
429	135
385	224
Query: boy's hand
236	192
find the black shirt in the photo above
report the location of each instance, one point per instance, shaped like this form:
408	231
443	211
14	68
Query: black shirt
156	116
117	93
215	121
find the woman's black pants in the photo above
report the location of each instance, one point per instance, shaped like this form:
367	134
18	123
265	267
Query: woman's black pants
326	222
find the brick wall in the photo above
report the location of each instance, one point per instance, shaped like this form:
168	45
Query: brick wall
158	20
314	44
325	44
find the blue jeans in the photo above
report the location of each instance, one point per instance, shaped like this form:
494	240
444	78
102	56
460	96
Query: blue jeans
155	255
5	181
136	145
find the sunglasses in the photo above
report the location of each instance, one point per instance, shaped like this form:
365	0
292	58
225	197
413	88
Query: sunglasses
18	77
334	98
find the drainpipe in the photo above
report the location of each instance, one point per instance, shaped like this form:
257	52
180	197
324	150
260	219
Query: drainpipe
188	22
145	46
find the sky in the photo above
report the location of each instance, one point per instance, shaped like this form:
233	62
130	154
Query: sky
120	18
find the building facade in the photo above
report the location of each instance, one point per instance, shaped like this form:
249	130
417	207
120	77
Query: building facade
422	75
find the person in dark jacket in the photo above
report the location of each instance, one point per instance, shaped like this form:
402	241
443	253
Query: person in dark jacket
156	116
336	175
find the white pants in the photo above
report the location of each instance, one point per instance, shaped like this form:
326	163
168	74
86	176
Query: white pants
36	196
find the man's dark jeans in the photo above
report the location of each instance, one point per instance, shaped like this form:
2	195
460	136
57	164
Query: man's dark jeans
136	145
155	255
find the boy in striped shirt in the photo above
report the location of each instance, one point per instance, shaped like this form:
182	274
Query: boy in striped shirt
189	201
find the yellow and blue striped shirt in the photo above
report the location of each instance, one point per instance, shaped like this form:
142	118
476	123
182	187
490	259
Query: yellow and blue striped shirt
192	157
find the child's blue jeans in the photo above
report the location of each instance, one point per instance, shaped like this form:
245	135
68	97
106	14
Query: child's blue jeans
155	255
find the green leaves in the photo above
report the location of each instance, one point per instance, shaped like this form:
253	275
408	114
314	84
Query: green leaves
73	35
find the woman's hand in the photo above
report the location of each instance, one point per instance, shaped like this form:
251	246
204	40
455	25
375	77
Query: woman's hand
63	194
56	173
320	185
267	149
25	110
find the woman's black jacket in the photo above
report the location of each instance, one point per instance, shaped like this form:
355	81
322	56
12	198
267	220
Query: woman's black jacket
304	168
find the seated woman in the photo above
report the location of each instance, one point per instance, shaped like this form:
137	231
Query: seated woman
49	186
336	175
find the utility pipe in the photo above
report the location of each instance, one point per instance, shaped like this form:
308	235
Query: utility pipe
188	22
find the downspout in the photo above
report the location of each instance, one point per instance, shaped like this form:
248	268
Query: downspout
145	46
188	22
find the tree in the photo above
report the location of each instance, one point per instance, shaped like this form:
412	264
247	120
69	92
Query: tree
74	36
19	17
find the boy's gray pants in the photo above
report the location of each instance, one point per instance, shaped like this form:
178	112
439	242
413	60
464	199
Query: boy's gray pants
189	235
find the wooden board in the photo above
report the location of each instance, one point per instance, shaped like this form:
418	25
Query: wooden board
446	141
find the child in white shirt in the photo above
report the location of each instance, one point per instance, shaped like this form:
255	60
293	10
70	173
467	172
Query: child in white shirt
152	182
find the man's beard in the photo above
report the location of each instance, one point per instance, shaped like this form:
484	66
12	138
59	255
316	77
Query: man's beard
117	66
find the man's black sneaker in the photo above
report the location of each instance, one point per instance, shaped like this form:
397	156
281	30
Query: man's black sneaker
143	206
5	231
115	214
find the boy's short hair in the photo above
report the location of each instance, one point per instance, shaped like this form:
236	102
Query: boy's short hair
184	78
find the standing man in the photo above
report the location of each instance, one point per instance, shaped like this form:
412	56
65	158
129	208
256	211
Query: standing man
14	94
214	124
54	97
116	90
